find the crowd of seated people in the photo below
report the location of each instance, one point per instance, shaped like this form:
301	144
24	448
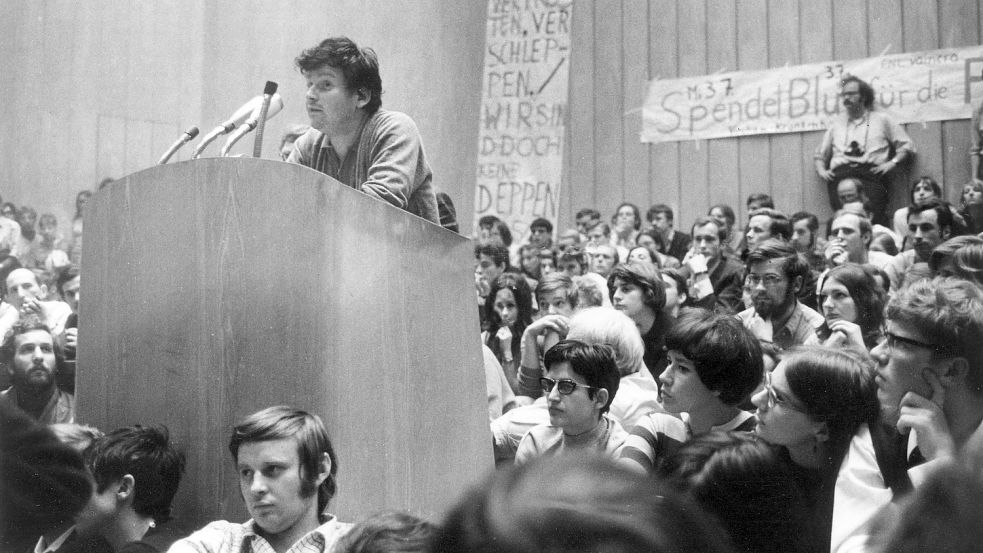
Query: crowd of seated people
804	386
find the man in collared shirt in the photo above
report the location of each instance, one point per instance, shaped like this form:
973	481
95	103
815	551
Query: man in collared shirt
775	274
859	144
33	359
286	467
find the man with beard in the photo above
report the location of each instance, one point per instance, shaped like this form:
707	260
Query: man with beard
775	273
930	387
859	144
33	359
928	226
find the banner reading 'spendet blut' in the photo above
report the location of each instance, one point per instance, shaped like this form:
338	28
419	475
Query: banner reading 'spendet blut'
913	87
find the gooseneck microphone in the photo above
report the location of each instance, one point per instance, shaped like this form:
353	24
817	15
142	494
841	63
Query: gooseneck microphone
268	91
188	136
237	119
276	104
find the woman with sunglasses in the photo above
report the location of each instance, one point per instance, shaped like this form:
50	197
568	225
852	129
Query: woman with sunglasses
580	383
812	405
852	303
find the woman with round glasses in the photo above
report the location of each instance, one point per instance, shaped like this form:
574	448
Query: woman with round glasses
508	311
812	405
852	303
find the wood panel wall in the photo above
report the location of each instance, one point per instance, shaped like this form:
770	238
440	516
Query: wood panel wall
618	45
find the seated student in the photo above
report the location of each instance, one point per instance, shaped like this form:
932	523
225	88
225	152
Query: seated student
576	504
714	364
137	471
508	312
747	485
387	532
556	294
24	296
637	290
637	391
34	361
814	403
286	466
580	383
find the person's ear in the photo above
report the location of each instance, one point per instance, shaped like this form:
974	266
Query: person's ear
44	290
867	237
323	468
946	231
797	284
955	370
362	98
125	488
601	398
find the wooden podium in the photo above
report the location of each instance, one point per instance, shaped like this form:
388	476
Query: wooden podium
216	287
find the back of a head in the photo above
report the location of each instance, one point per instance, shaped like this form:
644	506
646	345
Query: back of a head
282	422
148	455
746	484
44	482
604	325
576	504
78	436
387	532
726	356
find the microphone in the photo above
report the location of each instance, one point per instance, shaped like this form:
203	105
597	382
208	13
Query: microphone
276	104
237	119
188	136
268	91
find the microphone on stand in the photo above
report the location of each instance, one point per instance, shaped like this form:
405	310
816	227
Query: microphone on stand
188	136
224	128
268	93
276	104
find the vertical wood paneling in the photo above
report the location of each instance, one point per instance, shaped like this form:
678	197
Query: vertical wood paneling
786	149
752	53
723	176
634	39
885	34
955	21
609	174
815	30
921	32
694	159
581	183
664	64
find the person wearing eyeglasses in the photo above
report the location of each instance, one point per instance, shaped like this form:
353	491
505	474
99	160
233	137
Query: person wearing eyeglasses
775	275
714	365
580	383
812	405
862	143
930	388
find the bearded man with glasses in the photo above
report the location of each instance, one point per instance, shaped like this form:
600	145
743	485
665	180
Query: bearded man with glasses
580	383
775	275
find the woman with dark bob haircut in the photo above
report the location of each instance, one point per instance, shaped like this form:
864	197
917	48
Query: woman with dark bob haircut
576	504
852	303
813	405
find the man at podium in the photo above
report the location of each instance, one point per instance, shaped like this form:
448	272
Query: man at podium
373	150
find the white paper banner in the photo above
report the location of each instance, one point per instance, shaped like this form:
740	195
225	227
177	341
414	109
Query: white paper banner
914	87
523	112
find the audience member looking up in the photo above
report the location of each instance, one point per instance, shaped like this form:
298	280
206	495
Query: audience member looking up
33	360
